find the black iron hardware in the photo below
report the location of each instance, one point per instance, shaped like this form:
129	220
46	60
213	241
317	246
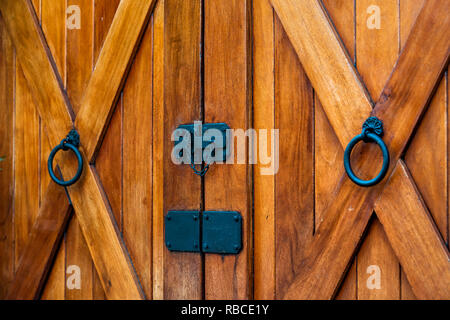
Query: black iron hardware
199	143
72	142
211	232
372	132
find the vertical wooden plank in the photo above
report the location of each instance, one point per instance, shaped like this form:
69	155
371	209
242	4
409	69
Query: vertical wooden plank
77	258
56	282
158	151
294	210
79	44
409	10
228	187
26	160
54	287
104	15
182	189
349	287
264	118
110	156
377	49
328	153
26	163
7	73
54	27
109	159
137	161
427	161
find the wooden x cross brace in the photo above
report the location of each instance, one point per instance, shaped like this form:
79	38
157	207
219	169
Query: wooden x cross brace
397	201
108	252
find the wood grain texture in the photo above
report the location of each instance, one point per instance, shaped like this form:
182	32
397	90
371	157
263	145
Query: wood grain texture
104	12
117	274
55	286
109	160
158	151
227	99
80	43
420	97
53	22
264	118
328	169
182	189
26	163
46	235
68	45
294	117
409	10
113	62
7	80
33	53
377	51
425	254
137	162
314	39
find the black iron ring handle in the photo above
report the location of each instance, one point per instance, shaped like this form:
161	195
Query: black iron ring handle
372	132
72	142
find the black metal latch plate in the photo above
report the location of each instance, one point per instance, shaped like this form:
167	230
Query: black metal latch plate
220	231
204	127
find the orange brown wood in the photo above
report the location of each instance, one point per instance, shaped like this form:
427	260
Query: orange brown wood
313	69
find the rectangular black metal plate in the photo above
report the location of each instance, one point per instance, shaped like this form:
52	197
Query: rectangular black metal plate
182	231
222	127
222	232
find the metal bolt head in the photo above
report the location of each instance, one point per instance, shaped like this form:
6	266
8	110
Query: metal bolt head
169	218
195	217
195	245
236	247
205	245
168	244
206	217
236	218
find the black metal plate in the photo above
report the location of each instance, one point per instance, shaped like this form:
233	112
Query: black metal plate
222	232
182	231
222	127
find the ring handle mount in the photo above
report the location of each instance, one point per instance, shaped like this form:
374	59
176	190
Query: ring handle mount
71	142
372	132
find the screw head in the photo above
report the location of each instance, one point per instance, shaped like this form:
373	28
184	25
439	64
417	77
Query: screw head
195	217
169	218
236	218
236	247
168	244
205	245
206	217
195	245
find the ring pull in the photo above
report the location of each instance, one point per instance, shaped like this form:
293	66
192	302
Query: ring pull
372	132
71	142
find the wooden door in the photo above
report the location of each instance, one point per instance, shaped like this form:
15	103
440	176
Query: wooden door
127	73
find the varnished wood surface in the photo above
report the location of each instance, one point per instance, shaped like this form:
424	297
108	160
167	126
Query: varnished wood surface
182	96
228	187
312	69
425	20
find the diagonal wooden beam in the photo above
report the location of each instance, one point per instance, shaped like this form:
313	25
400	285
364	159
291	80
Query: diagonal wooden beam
38	66
424	257
107	249
43	244
318	46
111	69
